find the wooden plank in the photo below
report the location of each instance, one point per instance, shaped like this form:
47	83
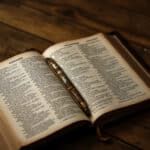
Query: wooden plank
99	16
46	26
70	21
114	16
13	42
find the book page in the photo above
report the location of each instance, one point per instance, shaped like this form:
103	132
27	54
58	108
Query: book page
33	101
99	73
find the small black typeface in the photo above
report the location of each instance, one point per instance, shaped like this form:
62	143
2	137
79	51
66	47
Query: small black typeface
91	80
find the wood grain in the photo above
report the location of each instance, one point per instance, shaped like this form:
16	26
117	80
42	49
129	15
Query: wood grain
40	24
71	19
14	42
99	16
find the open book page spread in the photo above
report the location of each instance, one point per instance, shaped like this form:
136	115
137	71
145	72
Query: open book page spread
33	100
99	73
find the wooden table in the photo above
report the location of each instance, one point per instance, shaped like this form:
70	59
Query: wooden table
38	24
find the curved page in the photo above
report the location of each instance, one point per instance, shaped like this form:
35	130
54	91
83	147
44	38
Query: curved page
99	72
33	101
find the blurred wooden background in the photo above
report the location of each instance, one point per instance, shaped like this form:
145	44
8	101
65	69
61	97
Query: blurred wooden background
38	24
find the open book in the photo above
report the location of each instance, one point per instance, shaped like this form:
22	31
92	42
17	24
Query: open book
88	80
